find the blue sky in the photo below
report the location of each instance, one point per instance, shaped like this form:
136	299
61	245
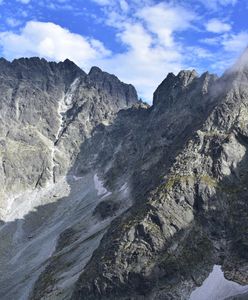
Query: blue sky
138	40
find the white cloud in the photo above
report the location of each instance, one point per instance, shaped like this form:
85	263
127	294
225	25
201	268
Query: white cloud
146	31
199	52
211	41
231	47
102	2
144	72
227	2
12	22
163	20
24	1
144	64
136	37
52	42
217	26
236	43
167	16
124	5
148	34
215	4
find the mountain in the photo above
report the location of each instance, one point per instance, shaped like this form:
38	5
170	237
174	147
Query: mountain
106	197
42	104
47	111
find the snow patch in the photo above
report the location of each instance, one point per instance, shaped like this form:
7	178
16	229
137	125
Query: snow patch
99	186
64	104
217	287
76	178
125	193
124	189
106	195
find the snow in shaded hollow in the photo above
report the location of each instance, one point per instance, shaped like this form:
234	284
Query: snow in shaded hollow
101	190
216	287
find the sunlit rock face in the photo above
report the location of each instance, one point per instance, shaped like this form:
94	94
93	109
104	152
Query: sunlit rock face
47	111
105	197
46	206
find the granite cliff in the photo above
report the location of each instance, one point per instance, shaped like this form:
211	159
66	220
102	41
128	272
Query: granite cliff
106	197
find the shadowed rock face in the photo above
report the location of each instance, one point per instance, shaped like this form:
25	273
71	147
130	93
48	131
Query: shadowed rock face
190	189
132	201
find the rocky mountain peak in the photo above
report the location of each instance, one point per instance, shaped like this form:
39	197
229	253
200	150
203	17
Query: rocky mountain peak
187	76
39	70
95	71
112	85
3	61
71	66
175	90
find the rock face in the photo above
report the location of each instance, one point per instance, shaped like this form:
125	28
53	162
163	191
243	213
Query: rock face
47	110
105	197
189	188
